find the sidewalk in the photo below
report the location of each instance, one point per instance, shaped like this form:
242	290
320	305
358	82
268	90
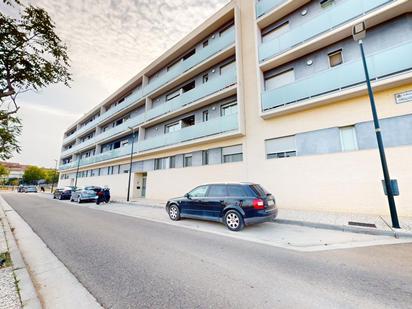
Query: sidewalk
319	219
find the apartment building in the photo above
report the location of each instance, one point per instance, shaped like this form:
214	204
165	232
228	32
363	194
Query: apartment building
267	91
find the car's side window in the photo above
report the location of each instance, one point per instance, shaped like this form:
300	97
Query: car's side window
217	191
199	191
233	190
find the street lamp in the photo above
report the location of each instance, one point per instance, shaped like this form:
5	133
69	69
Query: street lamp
130	165
359	32
54	177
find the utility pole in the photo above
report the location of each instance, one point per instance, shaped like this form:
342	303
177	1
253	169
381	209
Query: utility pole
77	172
130	165
54	177
359	32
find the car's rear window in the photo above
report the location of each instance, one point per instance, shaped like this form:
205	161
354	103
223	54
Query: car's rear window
259	190
234	190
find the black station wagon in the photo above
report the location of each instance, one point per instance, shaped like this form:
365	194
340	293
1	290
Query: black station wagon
234	204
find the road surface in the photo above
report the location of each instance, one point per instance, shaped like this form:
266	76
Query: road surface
127	262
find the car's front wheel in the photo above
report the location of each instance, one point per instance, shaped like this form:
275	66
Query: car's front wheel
174	212
79	199
234	220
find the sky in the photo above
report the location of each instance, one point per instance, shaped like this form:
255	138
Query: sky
109	41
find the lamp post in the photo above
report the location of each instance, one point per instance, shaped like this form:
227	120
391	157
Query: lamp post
77	171
359	32
54	177
130	165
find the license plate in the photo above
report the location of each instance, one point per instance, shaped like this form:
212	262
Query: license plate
271	203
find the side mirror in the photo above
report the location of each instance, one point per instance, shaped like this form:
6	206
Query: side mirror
187	195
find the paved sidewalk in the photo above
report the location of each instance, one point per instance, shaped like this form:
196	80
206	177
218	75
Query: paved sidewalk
9	298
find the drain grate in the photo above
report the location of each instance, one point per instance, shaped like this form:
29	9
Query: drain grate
363	224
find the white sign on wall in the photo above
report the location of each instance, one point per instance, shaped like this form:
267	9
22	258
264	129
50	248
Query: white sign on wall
403	97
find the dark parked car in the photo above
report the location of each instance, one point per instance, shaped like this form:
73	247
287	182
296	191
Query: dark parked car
234	204
88	194
21	189
63	193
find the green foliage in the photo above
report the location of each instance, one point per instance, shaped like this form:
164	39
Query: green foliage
4	171
10	129
33	174
32	56
51	175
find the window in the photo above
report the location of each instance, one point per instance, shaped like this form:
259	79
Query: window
335	58
232	154
274	31
172	162
228	67
217	191
228	109
172	95
282	147
172	127
160	164
189	54
205	43
205	157
188	121
326	3
205	116
205	78
187	160
189	86
273	81
348	138
199	191
234	190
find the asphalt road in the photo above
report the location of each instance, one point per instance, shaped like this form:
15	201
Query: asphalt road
126	262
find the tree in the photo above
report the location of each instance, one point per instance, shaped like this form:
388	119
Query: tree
4	171
51	176
33	174
32	56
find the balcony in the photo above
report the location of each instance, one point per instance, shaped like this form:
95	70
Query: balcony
216	45
333	17
132	122
214	126
264	6
133	98
381	64
214	85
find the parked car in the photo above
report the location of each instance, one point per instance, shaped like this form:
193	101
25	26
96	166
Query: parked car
88	194
21	188
30	189
234	204
63	193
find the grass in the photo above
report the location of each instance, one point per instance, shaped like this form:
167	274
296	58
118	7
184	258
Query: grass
6	256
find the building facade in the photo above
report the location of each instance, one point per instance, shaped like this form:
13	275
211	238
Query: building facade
267	91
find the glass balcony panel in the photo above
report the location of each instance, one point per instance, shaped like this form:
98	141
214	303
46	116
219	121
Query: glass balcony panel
215	46
264	6
380	64
333	17
203	129
203	90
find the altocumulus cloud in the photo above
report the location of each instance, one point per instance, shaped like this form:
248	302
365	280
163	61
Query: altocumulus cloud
112	40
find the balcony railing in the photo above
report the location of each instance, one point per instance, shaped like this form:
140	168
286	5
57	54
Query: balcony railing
213	126
212	86
381	64
132	122
264	6
135	96
334	16
215	45
107	155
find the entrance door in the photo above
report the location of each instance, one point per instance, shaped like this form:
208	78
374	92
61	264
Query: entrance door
144	179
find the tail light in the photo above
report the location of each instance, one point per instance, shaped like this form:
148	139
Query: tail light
258	204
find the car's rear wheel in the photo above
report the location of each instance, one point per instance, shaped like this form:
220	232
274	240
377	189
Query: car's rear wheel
174	212
234	220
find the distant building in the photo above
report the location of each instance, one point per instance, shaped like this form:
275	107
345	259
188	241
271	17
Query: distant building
16	170
266	91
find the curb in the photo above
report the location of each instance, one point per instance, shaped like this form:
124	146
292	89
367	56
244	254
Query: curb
345	228
27	293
